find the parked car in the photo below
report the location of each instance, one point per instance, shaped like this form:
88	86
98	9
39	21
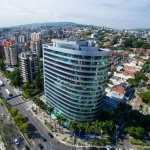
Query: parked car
16	142
3	115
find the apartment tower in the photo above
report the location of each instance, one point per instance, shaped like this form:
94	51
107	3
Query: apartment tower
75	76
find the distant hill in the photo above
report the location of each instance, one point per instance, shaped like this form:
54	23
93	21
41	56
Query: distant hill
55	24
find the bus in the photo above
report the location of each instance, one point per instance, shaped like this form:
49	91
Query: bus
7	91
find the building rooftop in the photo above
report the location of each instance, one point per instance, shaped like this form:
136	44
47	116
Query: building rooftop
76	44
118	89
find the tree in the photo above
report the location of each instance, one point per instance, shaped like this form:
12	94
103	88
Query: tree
135	131
14	112
96	126
19	119
15	78
145	96
133	82
128	43
50	109
138	44
115	40
38	81
24	127
87	126
141	76
58	118
71	124
146	68
80	128
63	120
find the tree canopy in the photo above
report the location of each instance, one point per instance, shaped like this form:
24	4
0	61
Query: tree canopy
15	78
145	96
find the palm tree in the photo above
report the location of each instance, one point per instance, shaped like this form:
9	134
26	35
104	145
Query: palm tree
87	126
58	118
80	128
50	110
96	126
64	119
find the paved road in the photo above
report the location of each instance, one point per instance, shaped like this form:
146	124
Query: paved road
16	132
37	128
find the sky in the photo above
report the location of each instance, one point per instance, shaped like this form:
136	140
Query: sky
121	14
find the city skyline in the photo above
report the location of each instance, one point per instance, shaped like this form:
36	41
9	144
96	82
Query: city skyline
116	14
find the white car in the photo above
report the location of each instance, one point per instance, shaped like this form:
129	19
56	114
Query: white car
3	115
16	142
9	118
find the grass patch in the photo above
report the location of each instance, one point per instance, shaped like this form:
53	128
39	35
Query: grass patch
6	105
29	140
138	142
5	145
48	126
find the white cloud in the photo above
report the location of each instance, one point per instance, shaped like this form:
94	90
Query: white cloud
113	13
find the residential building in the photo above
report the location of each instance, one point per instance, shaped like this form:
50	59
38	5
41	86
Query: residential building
22	48
36	46
125	74
29	66
75	76
116	96
2	52
11	54
22	39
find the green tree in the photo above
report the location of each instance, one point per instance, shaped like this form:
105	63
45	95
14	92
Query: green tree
50	109
115	40
133	82
80	128
58	119
141	76
145	96
135	131
14	112
146	68
24	127
138	44
15	78
19	119
63	120
38	81
128	43
71	124
96	126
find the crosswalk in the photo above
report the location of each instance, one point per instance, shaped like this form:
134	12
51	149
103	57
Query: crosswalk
79	148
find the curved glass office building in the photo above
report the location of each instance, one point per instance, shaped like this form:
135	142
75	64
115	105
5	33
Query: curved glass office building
75	75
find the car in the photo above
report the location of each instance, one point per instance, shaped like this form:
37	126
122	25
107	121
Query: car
40	146
9	118
3	115
1	104
26	147
43	138
50	135
16	142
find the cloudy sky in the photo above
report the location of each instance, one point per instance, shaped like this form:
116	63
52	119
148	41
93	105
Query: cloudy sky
110	13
